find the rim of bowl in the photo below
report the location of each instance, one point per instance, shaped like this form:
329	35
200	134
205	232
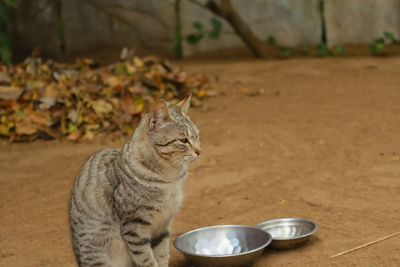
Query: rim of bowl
269	240
316	227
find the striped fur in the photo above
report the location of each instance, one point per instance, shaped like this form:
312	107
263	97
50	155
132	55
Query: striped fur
124	200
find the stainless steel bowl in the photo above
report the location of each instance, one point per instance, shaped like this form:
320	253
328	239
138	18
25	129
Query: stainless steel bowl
223	245
288	232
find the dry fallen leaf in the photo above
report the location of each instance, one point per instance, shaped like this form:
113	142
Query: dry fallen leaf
89	135
131	69
75	135
25	127
5	130
138	62
10	92
127	104
39	118
201	94
101	106
4	78
112	80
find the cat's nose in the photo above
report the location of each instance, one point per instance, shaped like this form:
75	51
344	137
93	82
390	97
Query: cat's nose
198	151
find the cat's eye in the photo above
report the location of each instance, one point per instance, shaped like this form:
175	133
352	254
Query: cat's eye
185	140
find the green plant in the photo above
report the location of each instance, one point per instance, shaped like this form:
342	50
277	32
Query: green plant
389	36
340	49
271	40
286	51
5	44
378	45
323	50
214	33
216	28
197	36
194	38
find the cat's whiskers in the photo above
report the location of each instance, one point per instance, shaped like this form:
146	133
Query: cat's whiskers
182	168
177	162
179	167
199	123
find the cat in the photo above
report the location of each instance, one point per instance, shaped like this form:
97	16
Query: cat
124	200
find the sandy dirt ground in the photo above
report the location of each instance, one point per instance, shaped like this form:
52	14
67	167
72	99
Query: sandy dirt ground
321	141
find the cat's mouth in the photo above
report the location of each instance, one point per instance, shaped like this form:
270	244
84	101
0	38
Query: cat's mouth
194	157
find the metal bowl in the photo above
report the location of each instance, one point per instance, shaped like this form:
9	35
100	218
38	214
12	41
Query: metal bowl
223	245
288	232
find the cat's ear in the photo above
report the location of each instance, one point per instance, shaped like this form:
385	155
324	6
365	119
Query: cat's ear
184	104
159	114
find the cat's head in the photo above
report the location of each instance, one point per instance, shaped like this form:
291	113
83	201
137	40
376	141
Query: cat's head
172	133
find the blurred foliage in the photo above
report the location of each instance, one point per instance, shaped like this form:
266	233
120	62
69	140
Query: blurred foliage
216	28
340	49
378	46
49	100
214	33
271	40
321	49
286	51
324	51
194	38
283	50
389	36
5	44
198	35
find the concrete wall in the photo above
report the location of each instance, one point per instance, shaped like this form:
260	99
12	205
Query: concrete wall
35	23
150	24
89	24
360	21
291	22
92	24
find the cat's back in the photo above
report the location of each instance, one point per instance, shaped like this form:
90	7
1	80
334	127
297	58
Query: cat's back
99	168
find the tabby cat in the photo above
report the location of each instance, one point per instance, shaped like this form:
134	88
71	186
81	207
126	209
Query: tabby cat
124	200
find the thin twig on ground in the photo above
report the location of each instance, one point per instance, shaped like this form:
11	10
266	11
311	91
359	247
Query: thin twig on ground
364	245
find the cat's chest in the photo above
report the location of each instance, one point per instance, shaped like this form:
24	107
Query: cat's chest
169	206
172	199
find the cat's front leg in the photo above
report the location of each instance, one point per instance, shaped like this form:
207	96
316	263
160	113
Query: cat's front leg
160	246
136	233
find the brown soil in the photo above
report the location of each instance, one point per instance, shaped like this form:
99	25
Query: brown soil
321	141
